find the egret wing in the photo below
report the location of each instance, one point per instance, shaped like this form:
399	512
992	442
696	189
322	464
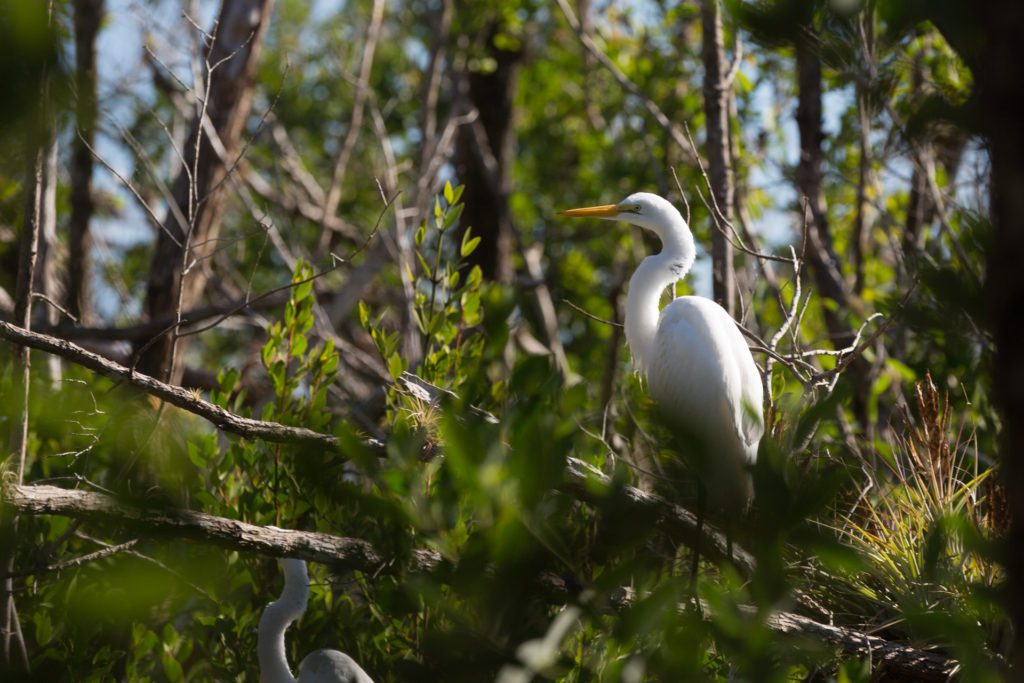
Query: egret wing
703	371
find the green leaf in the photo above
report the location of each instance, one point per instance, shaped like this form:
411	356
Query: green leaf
44	627
423	265
396	365
299	345
277	372
437	208
364	313
303	290
476	276
453	215
468	244
449	195
197	458
470	303
267	352
457	194
331	365
421	322
172	669
421	232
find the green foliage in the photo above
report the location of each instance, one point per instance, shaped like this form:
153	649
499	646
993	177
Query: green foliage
446	306
878	525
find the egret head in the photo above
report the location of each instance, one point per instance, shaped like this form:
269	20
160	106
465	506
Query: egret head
640	208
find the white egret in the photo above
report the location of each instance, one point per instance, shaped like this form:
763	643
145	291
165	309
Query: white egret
320	666
698	368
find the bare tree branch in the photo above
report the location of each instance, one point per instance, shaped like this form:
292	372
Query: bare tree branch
175	395
337	551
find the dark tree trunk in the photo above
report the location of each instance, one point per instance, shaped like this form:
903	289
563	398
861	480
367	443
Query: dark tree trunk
483	154
716	111
820	250
88	14
999	76
987	38
199	190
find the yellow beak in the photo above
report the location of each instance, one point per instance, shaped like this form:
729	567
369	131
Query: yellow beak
605	211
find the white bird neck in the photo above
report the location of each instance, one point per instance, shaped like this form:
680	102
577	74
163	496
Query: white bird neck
274	621
270	645
652	276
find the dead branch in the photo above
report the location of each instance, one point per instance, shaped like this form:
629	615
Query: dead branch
175	395
337	551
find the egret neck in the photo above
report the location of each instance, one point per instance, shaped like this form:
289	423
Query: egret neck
652	276
275	620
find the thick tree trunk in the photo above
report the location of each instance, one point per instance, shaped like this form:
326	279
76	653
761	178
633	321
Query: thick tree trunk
88	14
820	252
483	153
1000	76
819	249
987	38
189	231
716	111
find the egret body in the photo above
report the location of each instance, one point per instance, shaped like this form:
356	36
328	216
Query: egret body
320	666
698	368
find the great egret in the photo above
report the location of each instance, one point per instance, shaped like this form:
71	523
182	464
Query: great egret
320	666
698	368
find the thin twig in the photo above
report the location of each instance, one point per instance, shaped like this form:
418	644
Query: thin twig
590	315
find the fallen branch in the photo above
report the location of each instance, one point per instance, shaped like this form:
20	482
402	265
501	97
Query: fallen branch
356	554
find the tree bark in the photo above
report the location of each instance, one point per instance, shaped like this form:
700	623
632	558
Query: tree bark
716	112
999	77
88	15
483	155
199	191
170	393
820	250
987	38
